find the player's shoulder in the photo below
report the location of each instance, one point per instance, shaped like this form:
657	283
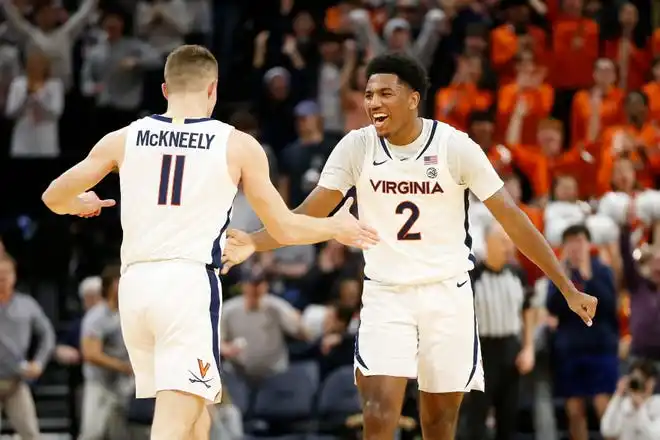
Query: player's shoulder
356	141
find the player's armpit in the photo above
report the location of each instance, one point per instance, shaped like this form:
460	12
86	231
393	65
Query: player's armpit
319	203
62	195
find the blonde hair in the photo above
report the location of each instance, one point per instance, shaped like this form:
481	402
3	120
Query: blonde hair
190	68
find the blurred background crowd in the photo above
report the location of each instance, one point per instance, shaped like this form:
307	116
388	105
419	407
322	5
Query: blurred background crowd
562	95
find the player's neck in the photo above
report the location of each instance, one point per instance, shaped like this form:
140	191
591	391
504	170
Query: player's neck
407	134
187	106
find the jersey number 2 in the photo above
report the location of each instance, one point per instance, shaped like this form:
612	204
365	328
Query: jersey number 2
404	233
177	180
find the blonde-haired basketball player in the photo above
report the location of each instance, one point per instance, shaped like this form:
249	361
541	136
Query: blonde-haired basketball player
178	175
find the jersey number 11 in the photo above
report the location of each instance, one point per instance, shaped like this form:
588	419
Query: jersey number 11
177	179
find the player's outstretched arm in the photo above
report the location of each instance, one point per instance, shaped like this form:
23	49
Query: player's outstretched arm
241	245
284	226
471	167
68	194
529	240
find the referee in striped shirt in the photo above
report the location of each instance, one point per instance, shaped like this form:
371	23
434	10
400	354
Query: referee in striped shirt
502	304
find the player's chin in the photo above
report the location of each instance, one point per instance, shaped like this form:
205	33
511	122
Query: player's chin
382	130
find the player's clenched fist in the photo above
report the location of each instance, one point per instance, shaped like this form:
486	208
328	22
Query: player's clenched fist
352	232
238	248
582	304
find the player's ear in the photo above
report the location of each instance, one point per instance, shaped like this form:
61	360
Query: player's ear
212	88
413	101
163	88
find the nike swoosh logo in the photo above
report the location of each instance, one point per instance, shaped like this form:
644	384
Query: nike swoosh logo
379	163
459	285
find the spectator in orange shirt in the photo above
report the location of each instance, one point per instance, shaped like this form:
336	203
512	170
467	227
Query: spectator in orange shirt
629	51
512	158
546	160
528	97
637	140
513	37
603	97
453	104
652	91
575	47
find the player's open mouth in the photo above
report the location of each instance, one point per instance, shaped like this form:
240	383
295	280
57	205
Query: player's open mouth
379	119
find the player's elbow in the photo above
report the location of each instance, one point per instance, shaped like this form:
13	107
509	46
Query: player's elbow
50	199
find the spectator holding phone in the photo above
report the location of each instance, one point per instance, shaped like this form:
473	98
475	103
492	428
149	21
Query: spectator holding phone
634	411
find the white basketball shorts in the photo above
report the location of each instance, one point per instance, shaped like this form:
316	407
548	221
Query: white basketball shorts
170	320
428	332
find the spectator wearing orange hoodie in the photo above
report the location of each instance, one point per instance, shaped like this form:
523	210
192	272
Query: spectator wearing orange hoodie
454	103
603	97
513	37
529	95
575	50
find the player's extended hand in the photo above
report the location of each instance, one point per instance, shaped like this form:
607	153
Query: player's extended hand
352	232
90	205
238	248
582	304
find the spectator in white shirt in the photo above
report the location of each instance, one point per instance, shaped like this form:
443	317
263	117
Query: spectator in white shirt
634	411
36	102
48	36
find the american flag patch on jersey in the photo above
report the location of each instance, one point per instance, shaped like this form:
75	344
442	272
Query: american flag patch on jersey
430	160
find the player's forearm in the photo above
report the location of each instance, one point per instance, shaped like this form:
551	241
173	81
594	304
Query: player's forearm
298	229
61	201
264	240
534	246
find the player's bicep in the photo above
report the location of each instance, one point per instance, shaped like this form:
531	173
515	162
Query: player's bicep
320	202
471	167
257	186
500	204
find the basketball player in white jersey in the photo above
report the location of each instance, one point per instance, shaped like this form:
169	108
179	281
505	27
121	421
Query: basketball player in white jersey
412	177
179	174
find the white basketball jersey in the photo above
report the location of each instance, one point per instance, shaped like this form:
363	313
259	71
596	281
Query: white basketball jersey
176	191
419	211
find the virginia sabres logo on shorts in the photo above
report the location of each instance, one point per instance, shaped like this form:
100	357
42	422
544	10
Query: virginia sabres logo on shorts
203	368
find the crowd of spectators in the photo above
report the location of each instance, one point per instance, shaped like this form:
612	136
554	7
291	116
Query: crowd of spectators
562	95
